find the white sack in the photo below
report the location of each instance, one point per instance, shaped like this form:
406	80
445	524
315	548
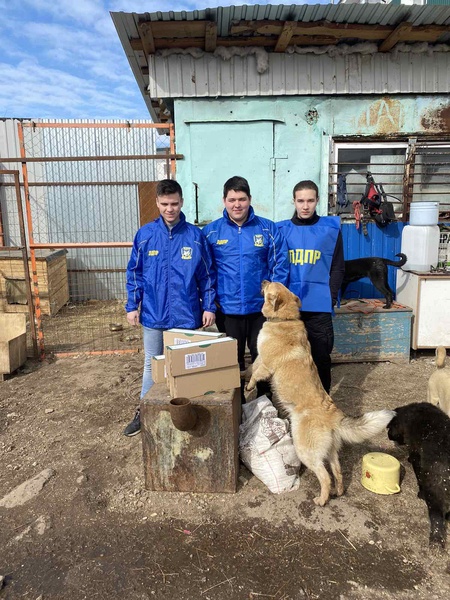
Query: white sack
266	448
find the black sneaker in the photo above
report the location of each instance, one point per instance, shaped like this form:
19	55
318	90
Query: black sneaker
134	427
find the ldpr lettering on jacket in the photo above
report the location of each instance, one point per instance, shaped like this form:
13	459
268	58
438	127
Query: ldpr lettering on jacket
299	256
153	252
186	253
221	242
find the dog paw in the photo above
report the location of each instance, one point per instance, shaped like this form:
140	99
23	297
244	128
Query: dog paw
319	501
250	386
339	490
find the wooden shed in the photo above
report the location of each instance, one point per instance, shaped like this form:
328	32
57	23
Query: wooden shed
51	269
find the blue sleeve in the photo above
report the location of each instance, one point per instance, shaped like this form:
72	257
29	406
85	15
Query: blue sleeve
206	276
134	281
279	257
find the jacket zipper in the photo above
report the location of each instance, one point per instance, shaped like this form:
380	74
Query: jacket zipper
240	267
169	296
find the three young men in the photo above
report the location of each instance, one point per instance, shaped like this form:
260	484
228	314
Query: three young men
177	274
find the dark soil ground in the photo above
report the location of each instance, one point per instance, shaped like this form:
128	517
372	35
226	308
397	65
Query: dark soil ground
93	531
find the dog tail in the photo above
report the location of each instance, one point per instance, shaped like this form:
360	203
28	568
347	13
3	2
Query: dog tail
355	430
441	355
398	263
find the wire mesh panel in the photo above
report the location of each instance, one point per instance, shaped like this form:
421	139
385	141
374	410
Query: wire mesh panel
88	186
15	281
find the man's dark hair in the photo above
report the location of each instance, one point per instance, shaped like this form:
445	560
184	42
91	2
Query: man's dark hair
306	184
168	186
237	184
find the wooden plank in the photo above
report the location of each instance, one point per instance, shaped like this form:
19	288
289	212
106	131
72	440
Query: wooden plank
337	30
146	35
52	281
372	337
425	33
210	36
148	211
58	299
395	36
285	36
315	40
227	42
179	29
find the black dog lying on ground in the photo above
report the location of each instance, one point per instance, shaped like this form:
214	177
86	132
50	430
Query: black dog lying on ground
376	269
425	429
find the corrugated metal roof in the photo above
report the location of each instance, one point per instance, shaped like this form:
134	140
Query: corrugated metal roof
362	14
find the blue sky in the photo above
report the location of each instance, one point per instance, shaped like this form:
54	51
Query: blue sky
64	60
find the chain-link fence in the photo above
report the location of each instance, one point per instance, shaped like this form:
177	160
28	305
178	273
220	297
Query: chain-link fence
87	187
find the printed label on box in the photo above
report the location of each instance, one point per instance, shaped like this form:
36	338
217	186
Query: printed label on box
195	361
177	341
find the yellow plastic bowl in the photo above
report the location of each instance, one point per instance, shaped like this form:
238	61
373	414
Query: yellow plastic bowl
380	473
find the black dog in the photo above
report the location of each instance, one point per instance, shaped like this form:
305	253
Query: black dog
376	269
425	429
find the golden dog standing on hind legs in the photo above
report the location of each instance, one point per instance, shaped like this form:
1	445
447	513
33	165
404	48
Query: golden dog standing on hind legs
318	427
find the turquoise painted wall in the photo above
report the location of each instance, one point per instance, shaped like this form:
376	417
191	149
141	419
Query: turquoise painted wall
276	142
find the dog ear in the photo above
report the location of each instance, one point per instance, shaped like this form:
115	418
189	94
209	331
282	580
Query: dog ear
276	301
395	431
264	284
298	302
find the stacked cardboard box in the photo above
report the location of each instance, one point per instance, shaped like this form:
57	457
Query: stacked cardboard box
200	368
159	368
173	337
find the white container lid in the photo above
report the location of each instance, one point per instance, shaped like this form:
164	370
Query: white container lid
424	213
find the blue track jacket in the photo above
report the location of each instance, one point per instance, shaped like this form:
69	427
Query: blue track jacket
244	256
311	249
167	275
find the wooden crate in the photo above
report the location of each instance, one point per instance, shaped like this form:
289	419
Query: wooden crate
202	460
365	331
51	269
13	343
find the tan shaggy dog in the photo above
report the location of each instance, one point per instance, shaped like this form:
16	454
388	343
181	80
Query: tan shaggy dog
318	426
439	383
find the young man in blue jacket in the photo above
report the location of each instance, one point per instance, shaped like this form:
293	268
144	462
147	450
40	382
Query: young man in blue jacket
247	249
170	280
317	268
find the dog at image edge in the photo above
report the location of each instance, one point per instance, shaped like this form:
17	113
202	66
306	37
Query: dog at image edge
425	430
438	392
375	268
318	427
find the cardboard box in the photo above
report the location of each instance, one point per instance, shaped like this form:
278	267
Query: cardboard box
184	359
159	368
174	337
202	367
205	382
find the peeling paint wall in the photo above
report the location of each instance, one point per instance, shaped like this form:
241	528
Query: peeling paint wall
278	141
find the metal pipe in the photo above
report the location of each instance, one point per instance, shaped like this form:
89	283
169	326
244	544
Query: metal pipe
183	414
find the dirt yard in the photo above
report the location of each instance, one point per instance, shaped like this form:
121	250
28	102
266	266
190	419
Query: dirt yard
93	531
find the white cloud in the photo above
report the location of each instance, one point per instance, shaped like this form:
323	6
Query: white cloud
64	59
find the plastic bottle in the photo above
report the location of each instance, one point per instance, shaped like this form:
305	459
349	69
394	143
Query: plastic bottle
420	243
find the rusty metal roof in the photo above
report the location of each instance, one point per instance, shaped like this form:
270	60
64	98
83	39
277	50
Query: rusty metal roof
274	27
